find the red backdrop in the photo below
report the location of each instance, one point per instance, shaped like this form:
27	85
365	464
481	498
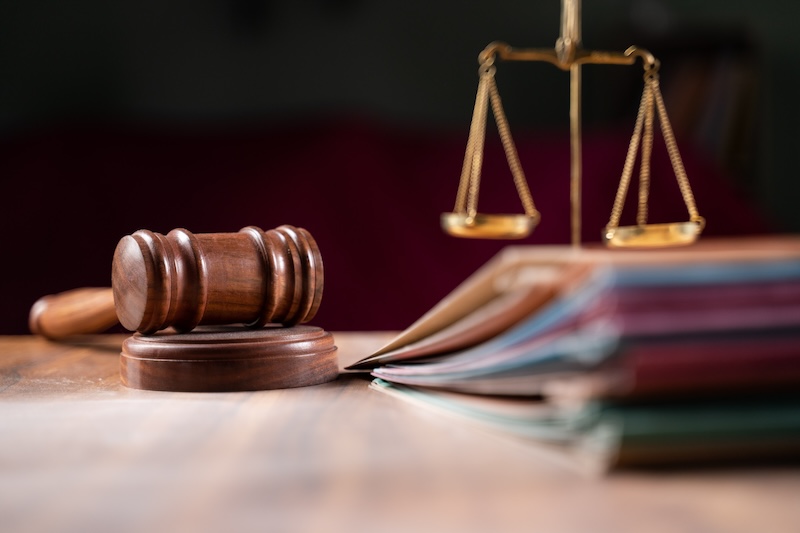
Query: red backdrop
370	194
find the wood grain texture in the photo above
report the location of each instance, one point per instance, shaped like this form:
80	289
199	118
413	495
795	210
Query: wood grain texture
81	453
74	312
224	359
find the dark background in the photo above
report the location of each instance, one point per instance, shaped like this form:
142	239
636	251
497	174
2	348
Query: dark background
349	118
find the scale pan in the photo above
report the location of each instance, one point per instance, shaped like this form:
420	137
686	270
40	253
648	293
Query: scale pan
488	226
653	235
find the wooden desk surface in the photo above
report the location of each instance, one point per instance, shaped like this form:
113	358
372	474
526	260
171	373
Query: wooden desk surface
79	452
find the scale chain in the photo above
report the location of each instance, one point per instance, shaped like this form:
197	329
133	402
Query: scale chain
469	184
465	186
651	98
674	154
627	169
511	151
647	151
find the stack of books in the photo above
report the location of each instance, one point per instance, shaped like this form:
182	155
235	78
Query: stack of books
617	358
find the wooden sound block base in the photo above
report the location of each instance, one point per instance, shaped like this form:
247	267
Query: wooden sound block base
219	359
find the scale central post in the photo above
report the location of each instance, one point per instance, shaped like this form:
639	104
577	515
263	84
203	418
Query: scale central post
567	44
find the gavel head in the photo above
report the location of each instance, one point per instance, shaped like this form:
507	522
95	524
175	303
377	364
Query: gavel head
182	280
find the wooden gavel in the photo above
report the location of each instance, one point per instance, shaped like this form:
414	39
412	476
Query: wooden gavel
182	280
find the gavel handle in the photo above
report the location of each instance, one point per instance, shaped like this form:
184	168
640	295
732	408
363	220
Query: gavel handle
75	312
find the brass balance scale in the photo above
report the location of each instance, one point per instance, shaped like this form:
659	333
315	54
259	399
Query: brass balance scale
466	221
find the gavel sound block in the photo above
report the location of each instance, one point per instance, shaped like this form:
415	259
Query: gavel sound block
266	281
229	358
